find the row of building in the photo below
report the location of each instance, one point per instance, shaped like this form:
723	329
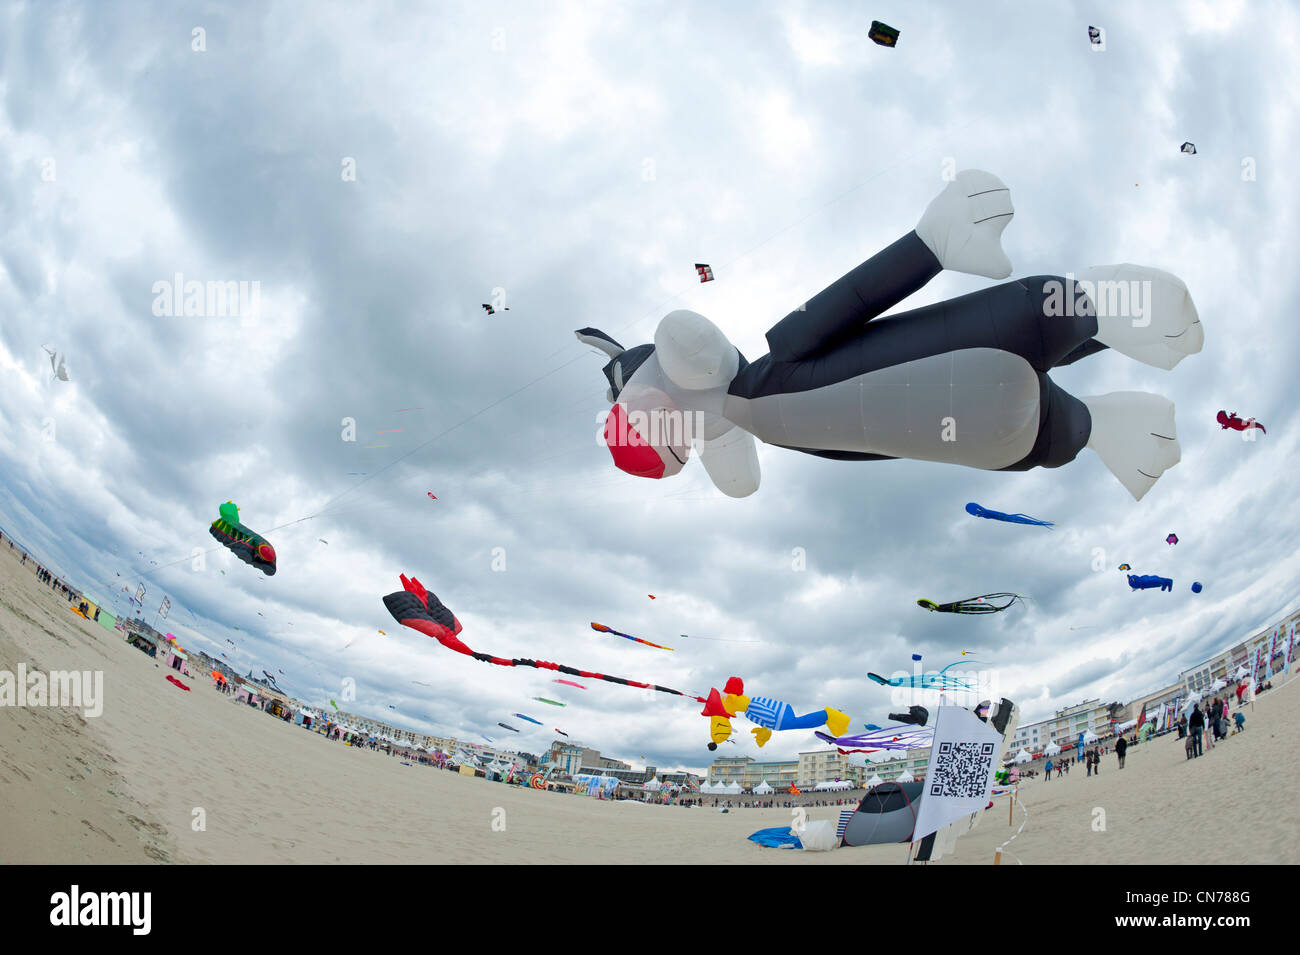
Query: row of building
1264	655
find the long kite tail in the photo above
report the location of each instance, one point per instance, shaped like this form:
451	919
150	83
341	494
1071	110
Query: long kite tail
1026	519
984	603
410	610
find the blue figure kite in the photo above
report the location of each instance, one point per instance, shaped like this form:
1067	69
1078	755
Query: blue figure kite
769	714
977	511
1148	581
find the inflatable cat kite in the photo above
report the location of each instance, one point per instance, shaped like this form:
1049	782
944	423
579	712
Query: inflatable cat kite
961	382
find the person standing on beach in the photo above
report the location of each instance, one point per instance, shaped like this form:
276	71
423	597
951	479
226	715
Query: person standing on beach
1194	726
1048	767
1121	747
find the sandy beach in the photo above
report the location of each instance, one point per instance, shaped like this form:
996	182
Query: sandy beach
127	787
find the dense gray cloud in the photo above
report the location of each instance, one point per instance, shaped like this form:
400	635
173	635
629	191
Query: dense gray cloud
582	158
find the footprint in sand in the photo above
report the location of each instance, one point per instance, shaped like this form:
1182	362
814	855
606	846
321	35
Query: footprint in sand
152	828
99	832
153	852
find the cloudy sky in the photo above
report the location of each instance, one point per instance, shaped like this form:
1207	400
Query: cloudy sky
380	171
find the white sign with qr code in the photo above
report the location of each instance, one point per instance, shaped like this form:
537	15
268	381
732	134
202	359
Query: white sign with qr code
959	779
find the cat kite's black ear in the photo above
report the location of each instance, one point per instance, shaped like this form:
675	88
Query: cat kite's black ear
598	339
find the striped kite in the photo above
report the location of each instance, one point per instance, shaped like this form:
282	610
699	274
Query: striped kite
601	628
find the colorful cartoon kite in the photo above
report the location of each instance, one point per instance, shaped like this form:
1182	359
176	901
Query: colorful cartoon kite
1189	148
601	628
983	604
1230	420
705	272
1149	582
974	509
988	353
492	311
1171	539
1125	567
770	715
431	496
420	610
1094	36
528	718
249	547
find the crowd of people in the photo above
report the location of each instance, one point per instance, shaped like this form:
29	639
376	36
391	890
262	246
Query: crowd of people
45	577
1203	728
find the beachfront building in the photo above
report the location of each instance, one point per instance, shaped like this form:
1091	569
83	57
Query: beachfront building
825	766
748	773
736	769
565	757
911	762
1065	728
1269	652
812	768
570	759
1154	703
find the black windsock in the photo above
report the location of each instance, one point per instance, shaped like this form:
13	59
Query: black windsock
918	715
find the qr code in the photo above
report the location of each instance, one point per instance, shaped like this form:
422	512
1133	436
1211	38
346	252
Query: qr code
962	770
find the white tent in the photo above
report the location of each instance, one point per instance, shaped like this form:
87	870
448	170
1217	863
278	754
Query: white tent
732	788
763	788
654	785
1090	737
874	781
1052	750
1218	685
1023	756
831	785
1125	726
